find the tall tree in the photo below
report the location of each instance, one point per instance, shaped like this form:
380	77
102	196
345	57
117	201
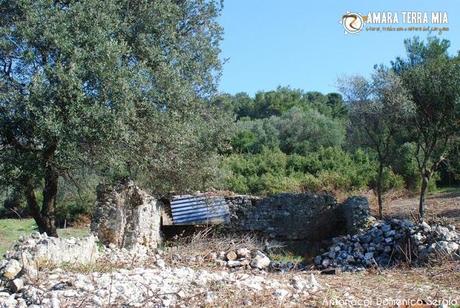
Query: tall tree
379	108
81	77
432	77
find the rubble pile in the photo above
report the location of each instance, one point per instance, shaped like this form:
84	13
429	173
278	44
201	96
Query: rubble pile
388	243
139	276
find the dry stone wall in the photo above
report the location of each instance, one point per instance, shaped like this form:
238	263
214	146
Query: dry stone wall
287	216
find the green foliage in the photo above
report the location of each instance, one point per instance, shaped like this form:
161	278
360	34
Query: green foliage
280	101
253	135
405	164
76	197
432	77
306	131
297	130
274	171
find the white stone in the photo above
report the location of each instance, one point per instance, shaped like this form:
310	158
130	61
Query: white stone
233	263
243	253
12	269
161	263
314	284
281	293
17	284
260	261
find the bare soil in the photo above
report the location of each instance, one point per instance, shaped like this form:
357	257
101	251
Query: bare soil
440	207
399	287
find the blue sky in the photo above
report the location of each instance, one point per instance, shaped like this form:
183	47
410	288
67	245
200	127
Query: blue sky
301	43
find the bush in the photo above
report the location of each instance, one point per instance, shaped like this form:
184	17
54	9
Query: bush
273	171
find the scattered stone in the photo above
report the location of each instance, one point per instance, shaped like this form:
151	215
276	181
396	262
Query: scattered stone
383	245
243	253
161	263
233	263
281	293
231	256
12	269
17	285
260	260
314	284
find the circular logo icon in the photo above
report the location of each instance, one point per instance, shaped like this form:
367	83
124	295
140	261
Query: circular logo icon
352	22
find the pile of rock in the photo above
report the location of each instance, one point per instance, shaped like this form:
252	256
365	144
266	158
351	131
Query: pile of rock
121	276
28	254
154	287
390	242
242	257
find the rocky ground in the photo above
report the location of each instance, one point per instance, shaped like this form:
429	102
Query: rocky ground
157	286
234	277
232	272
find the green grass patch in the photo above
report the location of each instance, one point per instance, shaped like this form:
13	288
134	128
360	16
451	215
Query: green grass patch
73	232
286	257
12	229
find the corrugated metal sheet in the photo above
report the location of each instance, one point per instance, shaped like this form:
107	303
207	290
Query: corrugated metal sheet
191	210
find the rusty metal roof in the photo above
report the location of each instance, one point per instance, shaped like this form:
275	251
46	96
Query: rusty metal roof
193	210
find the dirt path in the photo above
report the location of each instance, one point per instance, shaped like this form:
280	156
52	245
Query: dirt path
439	206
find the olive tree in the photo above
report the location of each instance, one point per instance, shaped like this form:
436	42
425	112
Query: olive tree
432	77
79	79
378	110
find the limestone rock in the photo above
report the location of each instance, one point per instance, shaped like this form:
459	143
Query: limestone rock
260	260
12	269
232	263
39	248
281	293
384	243
243	253
17	284
126	216
231	256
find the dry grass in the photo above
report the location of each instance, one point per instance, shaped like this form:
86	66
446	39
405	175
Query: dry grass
441	207
198	248
99	267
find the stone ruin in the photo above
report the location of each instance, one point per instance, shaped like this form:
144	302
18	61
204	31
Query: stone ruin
126	216
298	217
128	222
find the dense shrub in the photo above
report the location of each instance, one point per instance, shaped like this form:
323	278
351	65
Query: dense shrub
298	131
273	171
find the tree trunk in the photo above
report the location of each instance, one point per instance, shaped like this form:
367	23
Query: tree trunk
34	208
45	217
425	180
379	190
49	200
